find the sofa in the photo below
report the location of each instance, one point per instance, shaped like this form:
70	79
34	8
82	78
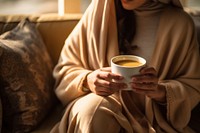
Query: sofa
53	30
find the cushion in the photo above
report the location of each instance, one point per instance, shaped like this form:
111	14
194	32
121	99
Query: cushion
25	77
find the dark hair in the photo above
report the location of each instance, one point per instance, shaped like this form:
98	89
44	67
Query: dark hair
125	26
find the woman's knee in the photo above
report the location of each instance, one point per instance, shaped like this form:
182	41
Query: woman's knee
92	103
96	112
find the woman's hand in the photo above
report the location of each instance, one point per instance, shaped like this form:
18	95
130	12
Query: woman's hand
101	82
147	84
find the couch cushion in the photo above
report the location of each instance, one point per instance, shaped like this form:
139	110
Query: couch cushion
25	77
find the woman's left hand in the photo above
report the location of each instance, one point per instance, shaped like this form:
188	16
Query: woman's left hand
147	84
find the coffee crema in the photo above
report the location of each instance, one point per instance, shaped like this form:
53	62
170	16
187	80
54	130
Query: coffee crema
128	63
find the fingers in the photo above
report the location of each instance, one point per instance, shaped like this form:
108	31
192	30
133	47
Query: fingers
110	85
148	77
148	71
145	79
102	82
102	91
147	84
105	73
144	86
105	88
158	95
148	89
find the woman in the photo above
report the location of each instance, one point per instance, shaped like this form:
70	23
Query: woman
165	92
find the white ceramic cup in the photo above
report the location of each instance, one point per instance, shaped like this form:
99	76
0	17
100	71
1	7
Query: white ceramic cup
127	71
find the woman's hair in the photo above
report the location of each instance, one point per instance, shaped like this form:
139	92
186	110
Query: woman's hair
125	26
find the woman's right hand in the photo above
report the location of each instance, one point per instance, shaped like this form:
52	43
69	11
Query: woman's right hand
103	82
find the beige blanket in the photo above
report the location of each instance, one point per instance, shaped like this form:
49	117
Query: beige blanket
93	43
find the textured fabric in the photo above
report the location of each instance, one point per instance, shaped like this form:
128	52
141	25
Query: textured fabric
54	37
25	78
94	42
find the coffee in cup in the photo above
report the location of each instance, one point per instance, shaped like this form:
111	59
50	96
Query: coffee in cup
127	66
128	63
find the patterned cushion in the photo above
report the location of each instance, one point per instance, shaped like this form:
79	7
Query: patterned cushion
26	78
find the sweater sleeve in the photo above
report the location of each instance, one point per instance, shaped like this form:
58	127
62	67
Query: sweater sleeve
73	67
